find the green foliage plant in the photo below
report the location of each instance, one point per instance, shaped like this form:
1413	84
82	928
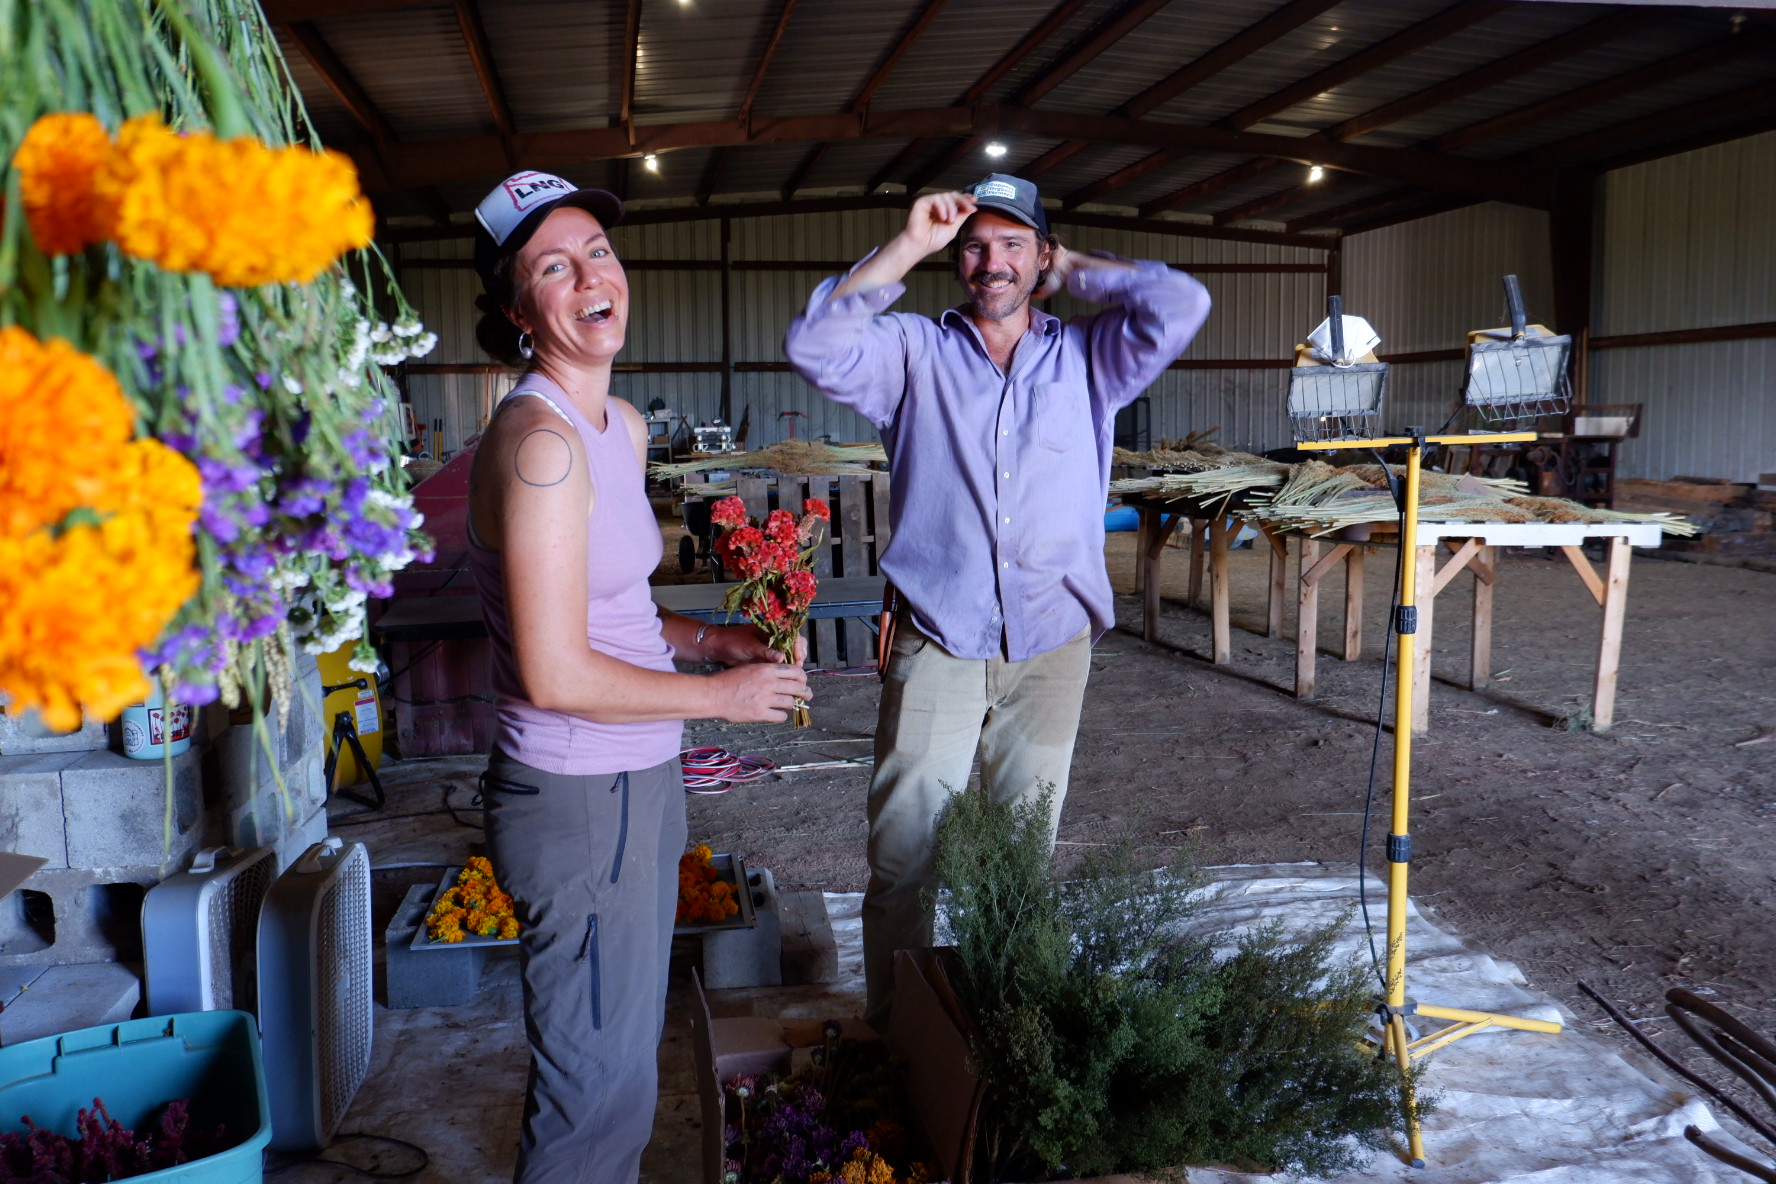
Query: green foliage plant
1118	1034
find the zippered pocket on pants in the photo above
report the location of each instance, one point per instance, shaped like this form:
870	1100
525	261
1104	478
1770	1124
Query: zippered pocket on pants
589	955
621	783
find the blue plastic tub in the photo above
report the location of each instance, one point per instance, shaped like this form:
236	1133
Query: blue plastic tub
1121	518
137	1067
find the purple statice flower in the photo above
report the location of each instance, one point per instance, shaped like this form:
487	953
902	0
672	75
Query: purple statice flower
194	655
851	1144
365	450
303	497
228	323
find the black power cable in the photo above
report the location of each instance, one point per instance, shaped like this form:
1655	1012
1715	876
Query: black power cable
278	1164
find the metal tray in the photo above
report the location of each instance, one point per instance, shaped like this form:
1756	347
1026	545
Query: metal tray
731	868
422	940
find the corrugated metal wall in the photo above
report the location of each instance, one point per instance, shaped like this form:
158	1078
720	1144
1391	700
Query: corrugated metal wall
1689	242
1686	242
677	318
1424	284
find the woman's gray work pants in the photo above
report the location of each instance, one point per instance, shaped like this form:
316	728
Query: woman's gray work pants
591	863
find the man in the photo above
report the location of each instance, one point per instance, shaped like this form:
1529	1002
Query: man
997	419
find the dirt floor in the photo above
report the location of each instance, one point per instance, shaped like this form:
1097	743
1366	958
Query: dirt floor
1635	861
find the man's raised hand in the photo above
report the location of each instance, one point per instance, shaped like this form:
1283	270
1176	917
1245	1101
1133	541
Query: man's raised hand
936	219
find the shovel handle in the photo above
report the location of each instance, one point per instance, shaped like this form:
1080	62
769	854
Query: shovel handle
1514	299
1335	323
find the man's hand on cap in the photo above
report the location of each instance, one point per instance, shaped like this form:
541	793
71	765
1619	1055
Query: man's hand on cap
936	219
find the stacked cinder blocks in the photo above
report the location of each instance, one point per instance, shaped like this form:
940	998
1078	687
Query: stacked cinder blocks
111	830
249	809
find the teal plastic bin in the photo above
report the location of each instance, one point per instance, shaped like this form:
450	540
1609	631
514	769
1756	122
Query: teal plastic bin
136	1067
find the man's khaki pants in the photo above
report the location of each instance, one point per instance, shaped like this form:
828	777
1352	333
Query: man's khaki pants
937	711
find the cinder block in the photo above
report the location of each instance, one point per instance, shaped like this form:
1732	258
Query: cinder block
65	998
748	957
31	805
26	733
95	916
302	835
115	810
810	952
426	978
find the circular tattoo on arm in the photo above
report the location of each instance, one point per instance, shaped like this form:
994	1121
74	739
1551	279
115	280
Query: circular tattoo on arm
542	458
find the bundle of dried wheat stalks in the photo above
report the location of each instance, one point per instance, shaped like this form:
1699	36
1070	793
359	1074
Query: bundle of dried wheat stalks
1317	498
791	458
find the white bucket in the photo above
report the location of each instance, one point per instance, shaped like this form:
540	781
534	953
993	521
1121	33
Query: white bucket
149	727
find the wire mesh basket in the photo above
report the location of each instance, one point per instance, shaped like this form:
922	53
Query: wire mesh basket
1337	402
1520	379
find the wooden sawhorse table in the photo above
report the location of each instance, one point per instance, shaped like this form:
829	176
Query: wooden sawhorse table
1474	546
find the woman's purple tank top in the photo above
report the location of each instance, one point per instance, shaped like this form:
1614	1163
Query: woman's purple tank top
623	547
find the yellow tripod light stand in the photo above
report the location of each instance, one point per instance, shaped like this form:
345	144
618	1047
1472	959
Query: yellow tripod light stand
1338	403
1399	841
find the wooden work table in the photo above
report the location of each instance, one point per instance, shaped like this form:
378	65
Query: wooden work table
1472	546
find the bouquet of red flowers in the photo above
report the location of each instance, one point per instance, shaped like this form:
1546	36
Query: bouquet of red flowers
774	562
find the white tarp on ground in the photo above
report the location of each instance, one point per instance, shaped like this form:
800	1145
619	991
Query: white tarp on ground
1513	1107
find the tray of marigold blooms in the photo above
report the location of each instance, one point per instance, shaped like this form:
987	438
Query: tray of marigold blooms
470	909
712	893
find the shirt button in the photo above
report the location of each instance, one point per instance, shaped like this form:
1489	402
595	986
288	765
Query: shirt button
1008	522
1005	431
1005	564
1007	476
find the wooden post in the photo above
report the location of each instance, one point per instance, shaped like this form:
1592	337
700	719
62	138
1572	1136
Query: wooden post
1421	641
825	649
1279	575
1197	529
1223	643
1609	648
850	519
1307	621
1485	572
1353	603
1152	560
1145	521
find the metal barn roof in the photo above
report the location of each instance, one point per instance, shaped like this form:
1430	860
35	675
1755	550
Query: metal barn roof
1201	111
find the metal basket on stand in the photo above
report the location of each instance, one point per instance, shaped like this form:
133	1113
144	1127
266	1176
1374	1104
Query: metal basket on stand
1340	401
1522	378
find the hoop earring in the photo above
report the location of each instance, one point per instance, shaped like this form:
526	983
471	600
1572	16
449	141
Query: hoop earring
526	349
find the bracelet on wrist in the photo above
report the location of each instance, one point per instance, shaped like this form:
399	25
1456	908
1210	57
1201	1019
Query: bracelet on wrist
704	629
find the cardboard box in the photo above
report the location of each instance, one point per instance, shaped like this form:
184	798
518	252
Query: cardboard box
929	1033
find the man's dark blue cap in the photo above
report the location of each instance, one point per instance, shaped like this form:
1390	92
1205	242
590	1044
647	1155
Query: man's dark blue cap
1012	196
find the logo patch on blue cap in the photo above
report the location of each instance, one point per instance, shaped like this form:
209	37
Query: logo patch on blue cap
996	189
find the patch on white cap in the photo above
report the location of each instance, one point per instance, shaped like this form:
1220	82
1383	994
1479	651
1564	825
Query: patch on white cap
996	189
503	209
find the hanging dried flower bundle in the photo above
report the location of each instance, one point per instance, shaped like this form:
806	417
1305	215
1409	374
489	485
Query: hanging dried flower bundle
195	429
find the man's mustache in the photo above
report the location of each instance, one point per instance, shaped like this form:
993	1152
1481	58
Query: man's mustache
987	277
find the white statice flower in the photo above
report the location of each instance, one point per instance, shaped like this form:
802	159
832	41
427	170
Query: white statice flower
364	665
423	345
288	579
348	288
360	347
418	519
380	334
393	356
341	601
382	499
408	328
292	384
349	379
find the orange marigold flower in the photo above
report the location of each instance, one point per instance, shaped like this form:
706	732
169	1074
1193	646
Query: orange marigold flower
84	511
245	213
57	162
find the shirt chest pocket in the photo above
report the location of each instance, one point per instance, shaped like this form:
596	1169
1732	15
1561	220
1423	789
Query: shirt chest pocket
1063	422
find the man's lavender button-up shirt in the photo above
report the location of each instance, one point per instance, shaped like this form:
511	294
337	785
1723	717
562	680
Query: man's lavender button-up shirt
999	479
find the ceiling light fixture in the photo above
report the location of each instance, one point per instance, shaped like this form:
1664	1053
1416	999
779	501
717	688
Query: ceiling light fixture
651	163
1315	174
996	150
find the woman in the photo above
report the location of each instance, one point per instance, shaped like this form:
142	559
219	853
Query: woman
584	797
